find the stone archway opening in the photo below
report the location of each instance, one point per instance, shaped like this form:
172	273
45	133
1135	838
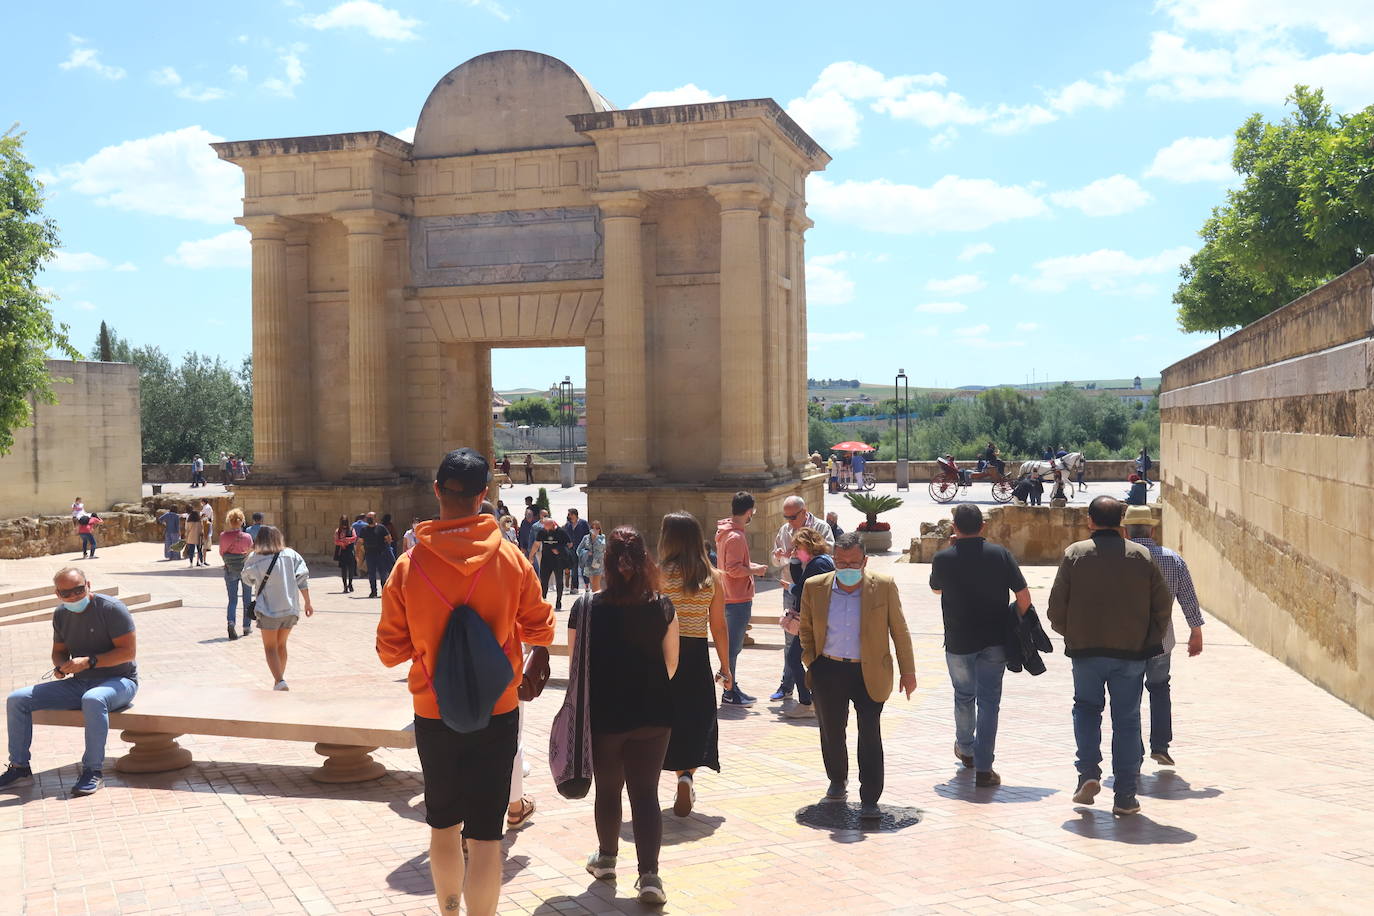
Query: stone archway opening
558	376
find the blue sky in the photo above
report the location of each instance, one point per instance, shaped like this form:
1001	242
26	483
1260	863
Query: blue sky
1013	185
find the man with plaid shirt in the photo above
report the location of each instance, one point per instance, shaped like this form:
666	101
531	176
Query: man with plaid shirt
1140	523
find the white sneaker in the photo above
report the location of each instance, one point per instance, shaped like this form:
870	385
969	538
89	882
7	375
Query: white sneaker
802	711
281	685
650	889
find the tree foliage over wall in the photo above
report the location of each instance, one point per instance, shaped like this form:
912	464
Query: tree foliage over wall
1303	214
1099	425
198	406
532	412
27	330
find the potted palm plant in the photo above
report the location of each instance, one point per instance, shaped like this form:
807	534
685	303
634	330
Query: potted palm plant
877	536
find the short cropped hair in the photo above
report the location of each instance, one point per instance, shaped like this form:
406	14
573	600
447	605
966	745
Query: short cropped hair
742	502
968	518
1105	512
269	540
848	541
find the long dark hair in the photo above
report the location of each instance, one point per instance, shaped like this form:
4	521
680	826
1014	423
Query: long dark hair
631	574
681	547
343	530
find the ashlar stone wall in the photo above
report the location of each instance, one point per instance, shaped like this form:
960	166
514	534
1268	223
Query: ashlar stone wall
1269	482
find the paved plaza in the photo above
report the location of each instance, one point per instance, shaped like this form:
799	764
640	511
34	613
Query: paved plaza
1267	810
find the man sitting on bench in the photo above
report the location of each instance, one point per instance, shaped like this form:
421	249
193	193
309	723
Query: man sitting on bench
93	652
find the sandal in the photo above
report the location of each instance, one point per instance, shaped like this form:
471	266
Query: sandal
524	814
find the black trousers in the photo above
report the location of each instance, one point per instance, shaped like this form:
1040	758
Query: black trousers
551	568
632	761
834	686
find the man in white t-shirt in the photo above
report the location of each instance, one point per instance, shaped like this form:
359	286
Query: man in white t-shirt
207	512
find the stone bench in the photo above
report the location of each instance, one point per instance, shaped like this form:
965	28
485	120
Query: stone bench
345	729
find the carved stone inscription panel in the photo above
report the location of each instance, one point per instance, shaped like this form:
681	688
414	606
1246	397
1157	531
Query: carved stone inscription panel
510	246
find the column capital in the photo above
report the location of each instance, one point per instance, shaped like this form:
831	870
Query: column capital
797	220
615	204
366	221
266	226
739	195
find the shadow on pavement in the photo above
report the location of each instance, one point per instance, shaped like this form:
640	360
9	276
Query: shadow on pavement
678	830
961	788
1135	829
1168	784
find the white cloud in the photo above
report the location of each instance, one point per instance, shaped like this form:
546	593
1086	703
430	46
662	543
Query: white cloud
826	282
172	174
951	204
1256	71
1012	119
377	20
689	94
824	337
1345	23
84	306
1105	197
408	135
827	111
1103	270
970	252
1194	159
1027	326
166	76
960	285
932	109
126	268
1082	94
976	330
293	74
228	249
944	138
77	261
983	343
238	73
84	58
491	6
941	308
828	117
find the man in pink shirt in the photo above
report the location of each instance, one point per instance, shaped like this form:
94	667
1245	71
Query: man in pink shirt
732	555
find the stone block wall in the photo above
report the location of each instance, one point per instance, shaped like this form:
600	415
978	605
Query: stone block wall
923	471
1035	535
88	444
1268	442
125	523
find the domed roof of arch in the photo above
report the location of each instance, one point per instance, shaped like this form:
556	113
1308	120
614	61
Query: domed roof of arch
502	101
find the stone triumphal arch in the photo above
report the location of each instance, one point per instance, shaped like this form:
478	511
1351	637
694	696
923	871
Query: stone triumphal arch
529	212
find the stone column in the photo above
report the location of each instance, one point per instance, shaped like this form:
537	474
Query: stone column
626	411
741	329
797	224
272	412
368	438
776	364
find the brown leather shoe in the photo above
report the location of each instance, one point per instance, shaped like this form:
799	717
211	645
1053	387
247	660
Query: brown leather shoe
965	759
985	778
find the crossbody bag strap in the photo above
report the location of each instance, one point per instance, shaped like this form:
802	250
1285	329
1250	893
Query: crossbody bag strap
270	566
419	659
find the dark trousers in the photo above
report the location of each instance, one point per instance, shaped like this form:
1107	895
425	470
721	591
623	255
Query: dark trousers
632	761
529	474
792	659
835	685
378	567
551	569
348	566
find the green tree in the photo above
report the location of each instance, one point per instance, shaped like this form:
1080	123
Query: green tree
106	354
27	329
1303	213
532	412
820	435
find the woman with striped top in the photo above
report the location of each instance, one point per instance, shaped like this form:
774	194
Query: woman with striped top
693	585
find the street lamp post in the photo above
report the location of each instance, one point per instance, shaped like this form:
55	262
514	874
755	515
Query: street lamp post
903	401
566	443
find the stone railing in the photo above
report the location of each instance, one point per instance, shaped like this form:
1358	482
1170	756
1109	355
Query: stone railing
124	523
924	471
1035	535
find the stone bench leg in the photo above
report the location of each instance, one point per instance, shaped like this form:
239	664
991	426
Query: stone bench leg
152	752
346	763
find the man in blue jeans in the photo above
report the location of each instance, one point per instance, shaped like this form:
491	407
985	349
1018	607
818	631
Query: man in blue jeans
973	578
737	574
1111	604
93	666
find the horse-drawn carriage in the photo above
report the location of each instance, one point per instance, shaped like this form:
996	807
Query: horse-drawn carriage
950	479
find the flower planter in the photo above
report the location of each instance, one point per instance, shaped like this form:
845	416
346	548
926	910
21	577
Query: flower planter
877	541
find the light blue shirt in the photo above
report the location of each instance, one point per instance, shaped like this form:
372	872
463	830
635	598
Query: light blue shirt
842	626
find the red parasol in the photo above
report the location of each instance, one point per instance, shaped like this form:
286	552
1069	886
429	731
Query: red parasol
852	447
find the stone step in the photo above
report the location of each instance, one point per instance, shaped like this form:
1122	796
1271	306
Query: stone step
21	593
135	603
48	600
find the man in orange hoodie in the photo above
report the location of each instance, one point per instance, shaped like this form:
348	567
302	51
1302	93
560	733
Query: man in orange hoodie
737	574
462	559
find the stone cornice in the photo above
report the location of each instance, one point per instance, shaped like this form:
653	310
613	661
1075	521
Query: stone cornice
739	195
764	109
615	204
366	221
368	140
267	227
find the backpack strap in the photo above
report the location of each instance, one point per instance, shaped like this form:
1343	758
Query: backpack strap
419	659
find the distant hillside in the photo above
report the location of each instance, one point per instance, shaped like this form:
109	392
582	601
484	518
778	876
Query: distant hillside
878	392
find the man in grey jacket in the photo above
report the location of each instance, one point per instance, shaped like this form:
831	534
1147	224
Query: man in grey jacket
1112	606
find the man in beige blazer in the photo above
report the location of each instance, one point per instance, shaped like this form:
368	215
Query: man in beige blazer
847	620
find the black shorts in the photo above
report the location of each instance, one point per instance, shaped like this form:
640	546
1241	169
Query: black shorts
467	776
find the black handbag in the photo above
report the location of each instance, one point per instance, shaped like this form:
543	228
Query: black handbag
252	608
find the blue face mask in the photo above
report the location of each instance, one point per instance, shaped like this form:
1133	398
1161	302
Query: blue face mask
849	577
76	607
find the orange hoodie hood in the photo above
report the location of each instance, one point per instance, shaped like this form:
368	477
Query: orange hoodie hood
466	544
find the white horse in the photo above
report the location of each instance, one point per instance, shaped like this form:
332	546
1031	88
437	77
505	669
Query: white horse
1070	464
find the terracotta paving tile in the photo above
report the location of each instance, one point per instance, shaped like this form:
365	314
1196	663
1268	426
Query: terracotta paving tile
1262	814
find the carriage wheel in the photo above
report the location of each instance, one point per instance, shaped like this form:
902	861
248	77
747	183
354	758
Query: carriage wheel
869	482
944	489
1001	491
